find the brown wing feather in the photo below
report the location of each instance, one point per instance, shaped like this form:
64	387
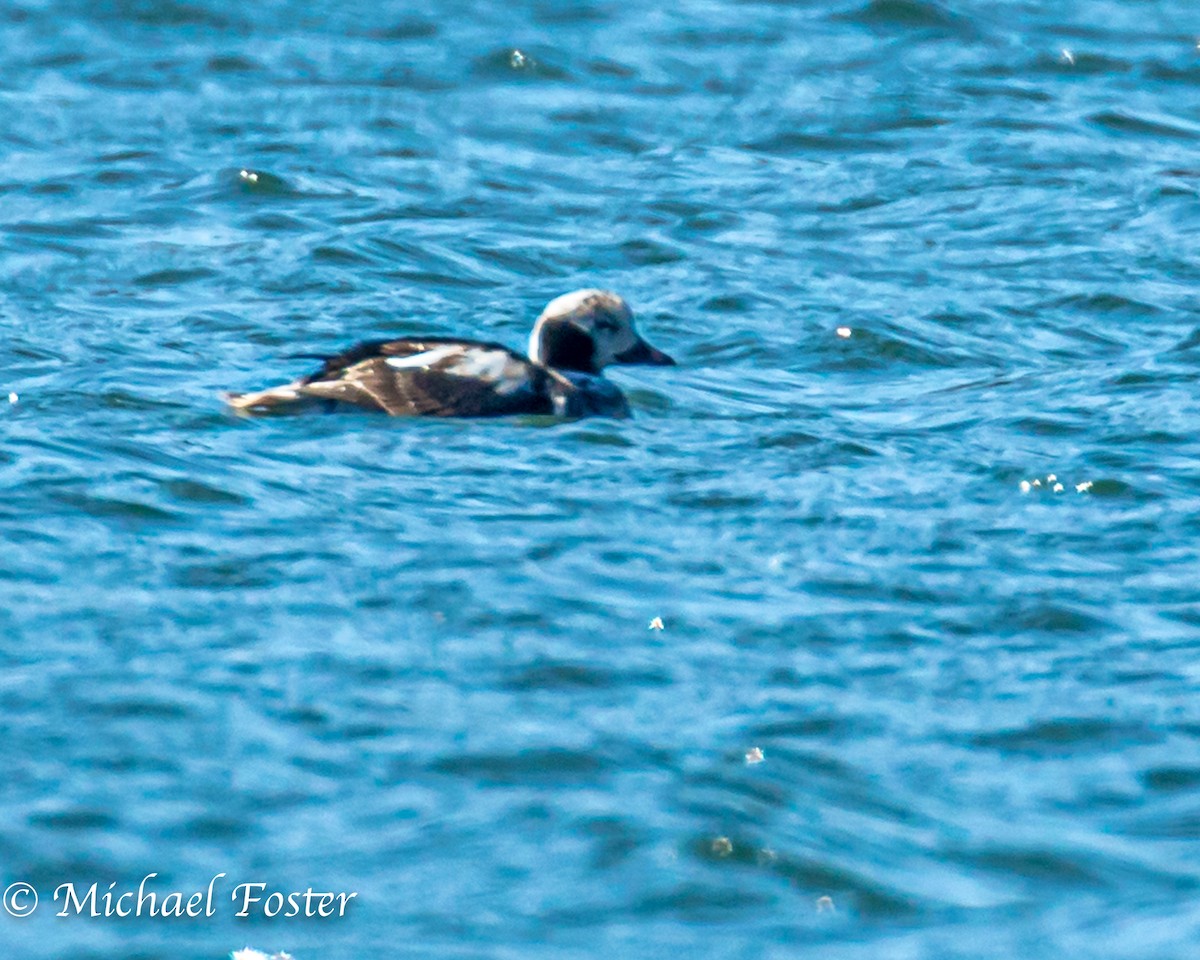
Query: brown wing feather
446	387
370	384
388	348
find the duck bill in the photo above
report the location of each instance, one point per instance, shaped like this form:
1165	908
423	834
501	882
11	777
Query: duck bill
642	352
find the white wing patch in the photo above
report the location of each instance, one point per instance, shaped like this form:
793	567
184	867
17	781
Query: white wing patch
498	368
485	364
426	359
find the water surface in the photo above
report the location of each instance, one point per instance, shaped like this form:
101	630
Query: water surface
412	659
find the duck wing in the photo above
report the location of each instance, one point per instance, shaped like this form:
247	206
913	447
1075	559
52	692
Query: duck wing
432	376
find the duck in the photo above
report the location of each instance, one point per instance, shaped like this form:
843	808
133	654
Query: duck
574	338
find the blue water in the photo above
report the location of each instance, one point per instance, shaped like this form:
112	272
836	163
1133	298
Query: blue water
412	659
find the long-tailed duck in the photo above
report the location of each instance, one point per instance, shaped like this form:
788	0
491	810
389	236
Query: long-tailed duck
574	339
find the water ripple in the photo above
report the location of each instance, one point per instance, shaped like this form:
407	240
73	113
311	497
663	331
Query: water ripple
503	679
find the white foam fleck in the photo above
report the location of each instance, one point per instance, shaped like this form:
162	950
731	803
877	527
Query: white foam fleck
13	398
1053	484
1068	57
844	332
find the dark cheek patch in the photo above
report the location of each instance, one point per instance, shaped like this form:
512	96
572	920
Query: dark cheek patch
569	348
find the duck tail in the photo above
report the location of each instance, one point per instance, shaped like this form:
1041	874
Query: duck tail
275	400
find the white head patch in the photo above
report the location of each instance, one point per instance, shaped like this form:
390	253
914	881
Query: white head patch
603	315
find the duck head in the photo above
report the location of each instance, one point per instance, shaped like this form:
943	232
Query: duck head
586	331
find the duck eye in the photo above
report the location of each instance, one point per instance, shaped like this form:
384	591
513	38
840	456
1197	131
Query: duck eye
607	324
